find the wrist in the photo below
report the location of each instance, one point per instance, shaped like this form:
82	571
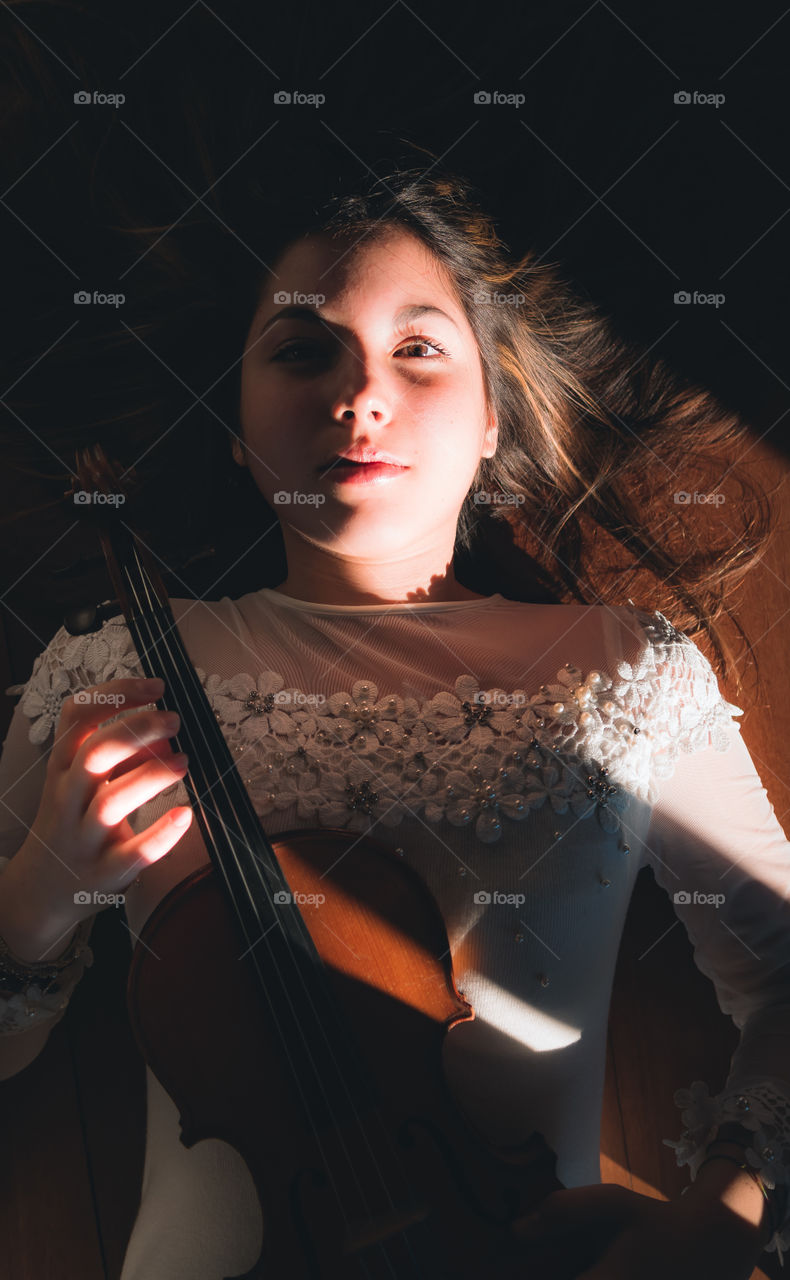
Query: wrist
724	1190
32	931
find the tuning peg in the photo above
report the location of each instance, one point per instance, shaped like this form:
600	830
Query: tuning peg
82	619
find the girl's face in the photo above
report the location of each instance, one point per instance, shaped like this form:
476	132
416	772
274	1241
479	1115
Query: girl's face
361	367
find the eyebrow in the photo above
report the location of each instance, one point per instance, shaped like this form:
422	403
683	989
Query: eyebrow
406	314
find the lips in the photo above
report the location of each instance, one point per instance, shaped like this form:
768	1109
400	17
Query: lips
345	464
343	473
361	457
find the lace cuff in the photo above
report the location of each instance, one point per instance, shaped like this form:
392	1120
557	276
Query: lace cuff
764	1110
39	992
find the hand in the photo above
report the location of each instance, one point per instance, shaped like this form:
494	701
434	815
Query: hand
620	1235
81	841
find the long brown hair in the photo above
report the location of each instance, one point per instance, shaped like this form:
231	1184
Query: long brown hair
600	448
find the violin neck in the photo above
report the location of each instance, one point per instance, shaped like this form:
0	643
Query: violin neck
290	974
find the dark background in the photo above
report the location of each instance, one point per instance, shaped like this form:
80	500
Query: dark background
636	197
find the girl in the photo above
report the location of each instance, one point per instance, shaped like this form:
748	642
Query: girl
459	464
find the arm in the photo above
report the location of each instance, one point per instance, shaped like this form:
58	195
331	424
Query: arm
24	925
715	840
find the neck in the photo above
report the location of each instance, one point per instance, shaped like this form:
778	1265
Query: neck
321	577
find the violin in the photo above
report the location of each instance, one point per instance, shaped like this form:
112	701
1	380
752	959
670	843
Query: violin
325	963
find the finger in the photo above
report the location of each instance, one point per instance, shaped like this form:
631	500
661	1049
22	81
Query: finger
114	801
109	746
162	749
152	844
84	710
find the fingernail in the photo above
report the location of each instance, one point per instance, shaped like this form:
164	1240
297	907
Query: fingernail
181	819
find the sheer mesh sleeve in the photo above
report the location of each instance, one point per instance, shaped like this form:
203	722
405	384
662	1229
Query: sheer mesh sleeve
67	665
717	848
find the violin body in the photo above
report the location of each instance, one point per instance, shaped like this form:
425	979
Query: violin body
403	1187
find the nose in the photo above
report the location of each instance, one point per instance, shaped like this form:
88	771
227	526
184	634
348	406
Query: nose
369	402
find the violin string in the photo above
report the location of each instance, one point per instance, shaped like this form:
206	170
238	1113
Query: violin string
176	675
318	1075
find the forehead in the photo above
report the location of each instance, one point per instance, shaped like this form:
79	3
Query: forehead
385	264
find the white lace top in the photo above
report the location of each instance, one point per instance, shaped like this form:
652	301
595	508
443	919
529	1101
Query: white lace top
523	759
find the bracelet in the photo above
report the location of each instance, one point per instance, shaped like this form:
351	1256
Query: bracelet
753	1173
16	974
31	994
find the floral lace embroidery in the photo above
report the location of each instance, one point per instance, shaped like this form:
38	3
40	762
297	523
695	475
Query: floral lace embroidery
585	744
763	1109
70	663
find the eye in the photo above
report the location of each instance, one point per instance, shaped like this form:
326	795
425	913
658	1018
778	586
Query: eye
422	341
292	349
289	348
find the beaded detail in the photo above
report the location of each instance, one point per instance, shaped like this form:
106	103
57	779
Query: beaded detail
477	758
36	993
763	1109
